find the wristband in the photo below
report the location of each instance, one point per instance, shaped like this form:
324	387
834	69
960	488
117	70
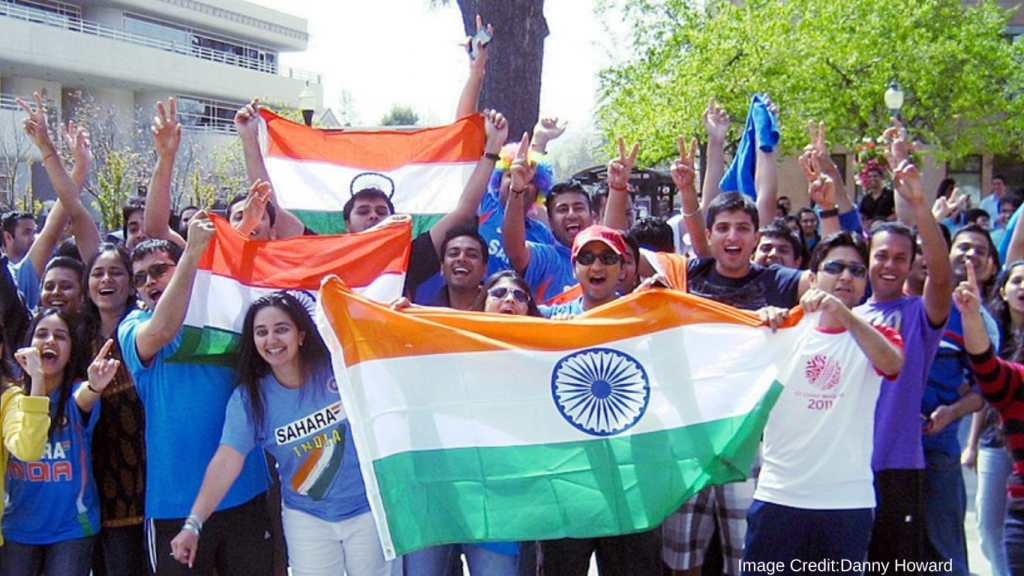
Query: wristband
618	188
834	212
195	521
93	390
689	214
47	157
492	156
191	528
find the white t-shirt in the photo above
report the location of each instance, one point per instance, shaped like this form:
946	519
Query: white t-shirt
820	434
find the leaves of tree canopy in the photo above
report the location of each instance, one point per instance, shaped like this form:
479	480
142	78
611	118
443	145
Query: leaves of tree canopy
825	60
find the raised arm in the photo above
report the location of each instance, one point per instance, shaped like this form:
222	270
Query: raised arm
166	132
87	235
684	175
716	123
247	123
1015	251
46	241
169	314
496	128
619	170
477	68
221	473
766	178
513	227
938	284
101	372
546	130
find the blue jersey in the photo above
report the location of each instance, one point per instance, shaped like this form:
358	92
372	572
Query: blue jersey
27	280
550	271
54	498
307	432
185	406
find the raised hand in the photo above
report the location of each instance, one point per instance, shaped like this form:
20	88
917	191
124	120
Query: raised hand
898	143
967	296
200	231
716	121
907	182
820	186
77	140
255	206
479	64
620	168
30	361
36	125
521	171
546	130
103	369
247	119
818	142
496	129
166	130
684	173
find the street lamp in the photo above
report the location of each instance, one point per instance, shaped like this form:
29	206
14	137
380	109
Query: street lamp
894	98
307	103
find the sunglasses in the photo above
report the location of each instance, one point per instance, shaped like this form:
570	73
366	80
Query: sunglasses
606	258
501	292
156	271
835	268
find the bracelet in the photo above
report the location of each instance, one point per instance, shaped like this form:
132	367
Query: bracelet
689	214
47	157
93	390
834	212
618	189
492	156
191	529
195	521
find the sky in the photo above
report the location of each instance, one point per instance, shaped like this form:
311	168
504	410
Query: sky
387	52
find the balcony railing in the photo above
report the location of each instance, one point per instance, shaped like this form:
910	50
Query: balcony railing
78	25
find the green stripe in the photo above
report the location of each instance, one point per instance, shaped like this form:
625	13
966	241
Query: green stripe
334	222
206	346
580	489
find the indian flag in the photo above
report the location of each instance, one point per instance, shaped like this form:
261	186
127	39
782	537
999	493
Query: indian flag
476	427
316	171
235	271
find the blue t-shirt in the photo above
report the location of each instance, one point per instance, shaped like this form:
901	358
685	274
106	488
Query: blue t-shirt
54	498
574	307
491	216
550	271
307	432
950	371
763	286
185	406
27	280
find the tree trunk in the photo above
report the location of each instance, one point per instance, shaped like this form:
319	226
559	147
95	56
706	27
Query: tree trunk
516	58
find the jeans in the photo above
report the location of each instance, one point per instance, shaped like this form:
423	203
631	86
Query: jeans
438	560
626	555
945	505
1014	532
319	547
66	558
994	467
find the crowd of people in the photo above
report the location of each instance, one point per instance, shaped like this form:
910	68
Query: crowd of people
119	460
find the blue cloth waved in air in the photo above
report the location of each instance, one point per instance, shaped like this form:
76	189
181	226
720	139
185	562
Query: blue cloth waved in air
763	128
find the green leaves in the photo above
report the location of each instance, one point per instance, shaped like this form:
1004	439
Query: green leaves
821	60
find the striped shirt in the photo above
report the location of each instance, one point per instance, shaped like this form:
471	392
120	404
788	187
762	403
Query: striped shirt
1002	384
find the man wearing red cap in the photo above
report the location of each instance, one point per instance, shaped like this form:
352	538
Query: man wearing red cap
598	253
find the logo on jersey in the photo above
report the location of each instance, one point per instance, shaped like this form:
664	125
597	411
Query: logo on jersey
823	372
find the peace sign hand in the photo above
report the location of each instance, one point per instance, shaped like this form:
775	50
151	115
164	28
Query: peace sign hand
521	171
684	173
620	168
166	129
820	186
36	125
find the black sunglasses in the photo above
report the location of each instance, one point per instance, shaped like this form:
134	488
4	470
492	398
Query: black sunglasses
606	258
502	291
157	271
835	268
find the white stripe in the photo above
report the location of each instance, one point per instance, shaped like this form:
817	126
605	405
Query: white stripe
221	302
319	186
697	373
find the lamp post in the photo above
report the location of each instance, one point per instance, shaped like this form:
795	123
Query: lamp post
307	103
894	98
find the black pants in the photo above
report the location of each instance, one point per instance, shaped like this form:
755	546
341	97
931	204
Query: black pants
237	542
626	555
898	533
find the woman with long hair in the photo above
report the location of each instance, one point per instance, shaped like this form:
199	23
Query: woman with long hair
287	401
53	517
61	287
119	443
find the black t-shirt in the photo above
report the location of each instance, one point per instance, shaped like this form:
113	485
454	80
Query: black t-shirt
423	263
763	286
880	208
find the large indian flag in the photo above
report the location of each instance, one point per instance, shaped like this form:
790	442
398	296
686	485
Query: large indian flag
316	171
234	272
475	427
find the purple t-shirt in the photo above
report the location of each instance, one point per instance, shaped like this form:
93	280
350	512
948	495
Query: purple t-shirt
898	412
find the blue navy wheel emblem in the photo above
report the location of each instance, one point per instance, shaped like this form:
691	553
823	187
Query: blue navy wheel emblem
600	391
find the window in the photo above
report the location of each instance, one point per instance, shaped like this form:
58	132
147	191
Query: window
204	114
203	44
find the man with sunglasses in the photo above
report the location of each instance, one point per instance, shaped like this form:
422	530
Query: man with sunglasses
898	459
598	256
185	406
815	493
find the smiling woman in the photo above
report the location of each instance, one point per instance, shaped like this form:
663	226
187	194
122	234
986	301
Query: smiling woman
61	287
